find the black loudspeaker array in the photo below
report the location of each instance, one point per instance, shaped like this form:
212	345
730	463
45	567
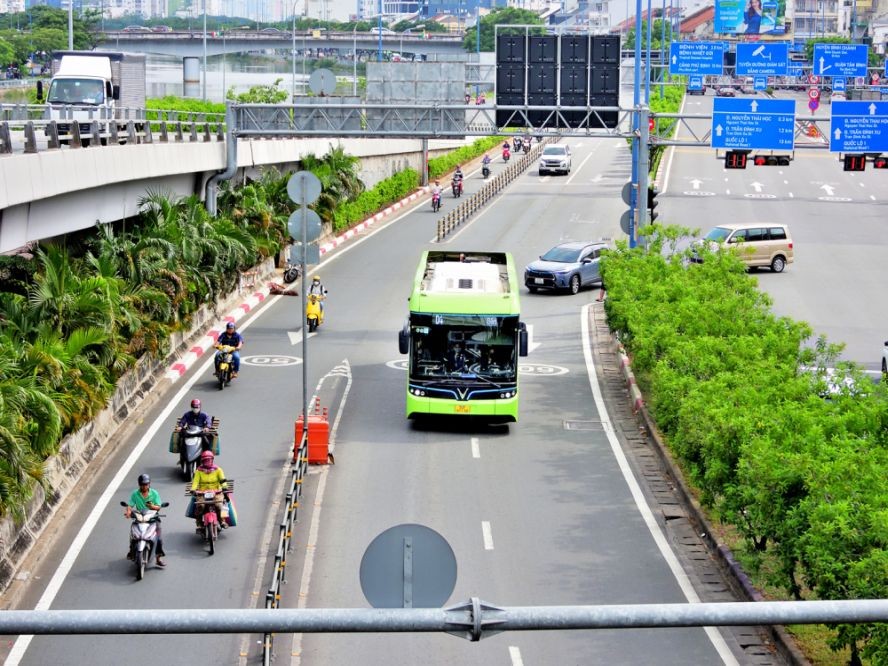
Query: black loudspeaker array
558	70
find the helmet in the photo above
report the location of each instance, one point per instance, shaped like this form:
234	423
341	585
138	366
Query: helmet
229	326
144	479
195	404
207	456
316	278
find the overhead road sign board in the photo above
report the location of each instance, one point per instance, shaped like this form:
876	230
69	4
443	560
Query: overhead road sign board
760	83
771	59
696	57
858	127
753	124
840	59
838	84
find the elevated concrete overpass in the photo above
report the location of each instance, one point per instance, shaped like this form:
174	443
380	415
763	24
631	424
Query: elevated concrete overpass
190	43
54	192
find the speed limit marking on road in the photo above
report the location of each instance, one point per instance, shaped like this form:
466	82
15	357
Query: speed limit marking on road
271	361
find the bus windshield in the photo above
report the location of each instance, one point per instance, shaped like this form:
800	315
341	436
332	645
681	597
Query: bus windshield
469	347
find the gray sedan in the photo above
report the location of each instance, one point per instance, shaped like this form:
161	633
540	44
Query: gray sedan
567	266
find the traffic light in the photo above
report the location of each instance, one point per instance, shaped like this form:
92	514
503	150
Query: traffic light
880	162
735	159
652	204
855	162
771	160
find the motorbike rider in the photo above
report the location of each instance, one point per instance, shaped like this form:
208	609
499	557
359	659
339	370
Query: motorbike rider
318	289
196	417
234	339
146	498
486	161
209	476
458	177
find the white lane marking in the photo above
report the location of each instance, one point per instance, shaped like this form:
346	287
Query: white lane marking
873	197
791	195
466	225
786	182
515	656
727	191
861	184
487	535
61	573
476	449
314	528
582	164
672	151
647	515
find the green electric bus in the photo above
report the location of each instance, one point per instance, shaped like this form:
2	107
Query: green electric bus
464	336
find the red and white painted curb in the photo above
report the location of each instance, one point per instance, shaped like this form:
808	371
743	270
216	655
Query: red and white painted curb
190	357
358	228
207	342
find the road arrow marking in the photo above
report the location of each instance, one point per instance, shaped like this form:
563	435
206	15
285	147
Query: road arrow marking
757	186
596	179
531	345
828	189
296	336
696	183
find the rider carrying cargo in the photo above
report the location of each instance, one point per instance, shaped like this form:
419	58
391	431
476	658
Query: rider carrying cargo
208	476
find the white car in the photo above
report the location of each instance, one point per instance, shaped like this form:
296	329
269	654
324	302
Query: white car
555	158
837	97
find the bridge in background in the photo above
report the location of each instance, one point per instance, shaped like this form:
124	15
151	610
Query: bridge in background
190	43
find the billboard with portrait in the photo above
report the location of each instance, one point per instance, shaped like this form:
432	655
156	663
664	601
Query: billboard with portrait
766	19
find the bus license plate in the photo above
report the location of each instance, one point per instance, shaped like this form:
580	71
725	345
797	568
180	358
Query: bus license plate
462	409
539	281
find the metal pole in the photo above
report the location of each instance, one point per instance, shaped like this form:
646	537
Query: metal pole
293	60
425	162
663	68
70	25
355	61
478	43
379	27
304	221
647	61
205	52
305	14
634	218
643	168
223	65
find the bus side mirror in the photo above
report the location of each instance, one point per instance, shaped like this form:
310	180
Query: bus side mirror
522	340
40	92
403	341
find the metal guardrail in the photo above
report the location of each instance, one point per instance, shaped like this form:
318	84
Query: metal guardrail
285	537
28	128
474	203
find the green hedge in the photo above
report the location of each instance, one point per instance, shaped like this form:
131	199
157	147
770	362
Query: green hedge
797	464
438	166
670	103
183	105
371	201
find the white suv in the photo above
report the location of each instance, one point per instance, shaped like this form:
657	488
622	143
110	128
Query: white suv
555	158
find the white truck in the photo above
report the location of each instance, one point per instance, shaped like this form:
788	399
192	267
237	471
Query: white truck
95	85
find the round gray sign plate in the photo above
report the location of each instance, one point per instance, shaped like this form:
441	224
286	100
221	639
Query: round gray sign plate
304	188
312	225
408	566
624	221
322	82
627	194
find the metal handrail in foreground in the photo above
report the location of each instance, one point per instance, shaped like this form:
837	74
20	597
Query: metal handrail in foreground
285	537
472	619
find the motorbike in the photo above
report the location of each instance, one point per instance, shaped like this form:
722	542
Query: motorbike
506	154
193	441
485	171
206	513
456	185
516	144
291	273
224	364
526	147
143	536
436	202
314	316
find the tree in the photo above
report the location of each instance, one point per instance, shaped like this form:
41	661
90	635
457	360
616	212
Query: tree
263	94
7	53
501	16
656	36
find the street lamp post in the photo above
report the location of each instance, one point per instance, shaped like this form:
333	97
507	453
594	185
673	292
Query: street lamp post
70	25
355	61
204	51
379	28
293	58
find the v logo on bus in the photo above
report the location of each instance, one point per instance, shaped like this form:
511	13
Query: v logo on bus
462	392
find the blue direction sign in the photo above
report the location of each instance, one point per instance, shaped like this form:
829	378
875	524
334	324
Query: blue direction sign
840	59
696	57
695	82
859	127
771	59
838	84
753	124
760	83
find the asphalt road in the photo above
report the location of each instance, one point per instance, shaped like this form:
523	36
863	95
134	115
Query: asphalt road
537	513
837	221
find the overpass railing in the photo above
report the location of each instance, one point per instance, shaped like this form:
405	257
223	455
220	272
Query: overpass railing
29	128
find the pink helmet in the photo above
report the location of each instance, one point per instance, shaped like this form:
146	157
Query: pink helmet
207	457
